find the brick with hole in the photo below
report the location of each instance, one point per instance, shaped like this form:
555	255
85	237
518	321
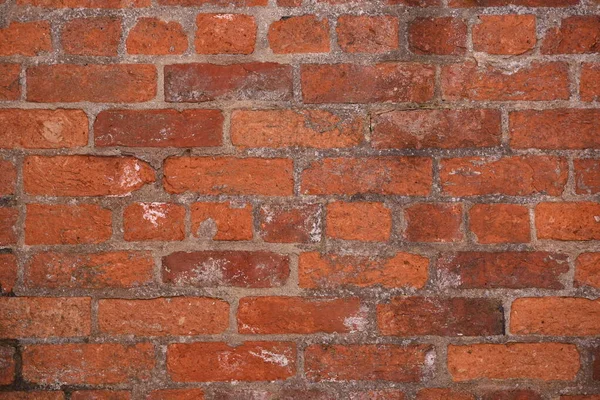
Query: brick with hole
367	34
587	270
25	38
511	270
257	269
299	34
218	361
531	361
228	221
296	128
290	223
458	316
8	272
365	362
154	36
87	363
225	34
92	36
439	36
323	271
568	221
8	222
281	315
7	365
154	221
573	35
45	317
159	128
362	221
500	223
443	394
176	394
368	175
101	395
429	222
10	86
505	34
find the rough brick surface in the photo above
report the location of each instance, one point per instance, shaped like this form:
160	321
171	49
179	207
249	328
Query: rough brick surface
299	199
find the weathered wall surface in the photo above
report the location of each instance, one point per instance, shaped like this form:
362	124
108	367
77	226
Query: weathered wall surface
299	199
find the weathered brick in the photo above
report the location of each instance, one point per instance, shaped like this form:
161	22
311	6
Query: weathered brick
229	175
8	272
154	221
176	394
568	221
85	175
429	222
225	34
92	36
226	268
8	222
525	3
447	129
443	394
367	34
375	175
32	395
367	222
384	394
67	224
575	35
512	270
163	316
280	315
222	221
512	395
512	175
499	223
101	395
153	36
538	361
10	87
89	270
82	363
43	317
8	178
353	83
505	34
301	128
301	34
332	270
85	3
536	82
443	36
222	3
587	270
415	316
215	361
589	84
587	176
196	83
25	38
7	365
43	129
290	223
369	362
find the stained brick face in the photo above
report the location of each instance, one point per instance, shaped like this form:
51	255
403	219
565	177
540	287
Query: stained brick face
299	199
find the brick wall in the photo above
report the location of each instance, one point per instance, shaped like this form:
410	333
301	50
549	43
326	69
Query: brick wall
299	199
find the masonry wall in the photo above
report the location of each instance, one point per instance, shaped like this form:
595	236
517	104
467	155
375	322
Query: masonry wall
299	199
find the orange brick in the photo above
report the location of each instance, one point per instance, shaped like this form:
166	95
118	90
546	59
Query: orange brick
154	221
367	222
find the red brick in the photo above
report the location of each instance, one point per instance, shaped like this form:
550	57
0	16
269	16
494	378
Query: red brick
92	36
43	317
414	3
153	36
447	129
433	222
555	129
367	34
122	83
25	38
215	361
101	395
229	175
222	221
511	270
587	176
281	315
443	394
225	34
367	222
8	178
290	223
226	268
221	3
587	270
505	34
443	36
369	362
539	361
8	272
512	395
568	221
8	222
301	128
154	221
85	3
67	224
575	35
177	394
420	316
556	316
353	83
499	223
301	34
538	81
43	129
7	365
10	87
163	316
196	83
525	3
32	395
289	3
513	176
89	270
85	175
81	363
589	85
385	394
326	271
281	393
375	175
